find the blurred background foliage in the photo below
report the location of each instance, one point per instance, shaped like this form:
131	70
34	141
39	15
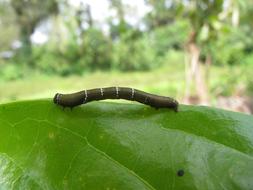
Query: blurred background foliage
199	51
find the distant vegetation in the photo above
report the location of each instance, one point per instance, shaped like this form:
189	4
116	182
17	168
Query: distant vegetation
207	32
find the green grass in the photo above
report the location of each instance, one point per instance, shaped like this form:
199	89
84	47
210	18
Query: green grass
160	81
167	80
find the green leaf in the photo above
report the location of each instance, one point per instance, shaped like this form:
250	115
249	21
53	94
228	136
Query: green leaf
123	146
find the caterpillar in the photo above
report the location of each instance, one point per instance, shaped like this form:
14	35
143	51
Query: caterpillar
85	96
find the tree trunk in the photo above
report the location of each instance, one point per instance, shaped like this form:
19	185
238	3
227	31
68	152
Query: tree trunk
235	16
208	63
194	74
26	50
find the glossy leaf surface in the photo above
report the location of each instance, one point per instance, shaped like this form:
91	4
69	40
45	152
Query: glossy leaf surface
123	146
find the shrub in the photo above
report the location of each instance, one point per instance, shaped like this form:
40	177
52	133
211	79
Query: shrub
9	71
232	46
172	36
94	52
50	60
130	55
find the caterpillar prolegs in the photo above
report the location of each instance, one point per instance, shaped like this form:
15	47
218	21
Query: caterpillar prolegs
85	96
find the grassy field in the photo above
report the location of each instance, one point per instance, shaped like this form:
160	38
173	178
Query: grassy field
168	81
160	81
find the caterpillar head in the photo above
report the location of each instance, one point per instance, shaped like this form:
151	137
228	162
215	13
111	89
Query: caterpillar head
56	98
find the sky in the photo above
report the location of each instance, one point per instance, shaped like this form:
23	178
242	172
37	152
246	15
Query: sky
100	10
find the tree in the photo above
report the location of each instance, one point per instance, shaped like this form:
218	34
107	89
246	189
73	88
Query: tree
7	24
83	15
121	27
163	12
205	26
29	14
